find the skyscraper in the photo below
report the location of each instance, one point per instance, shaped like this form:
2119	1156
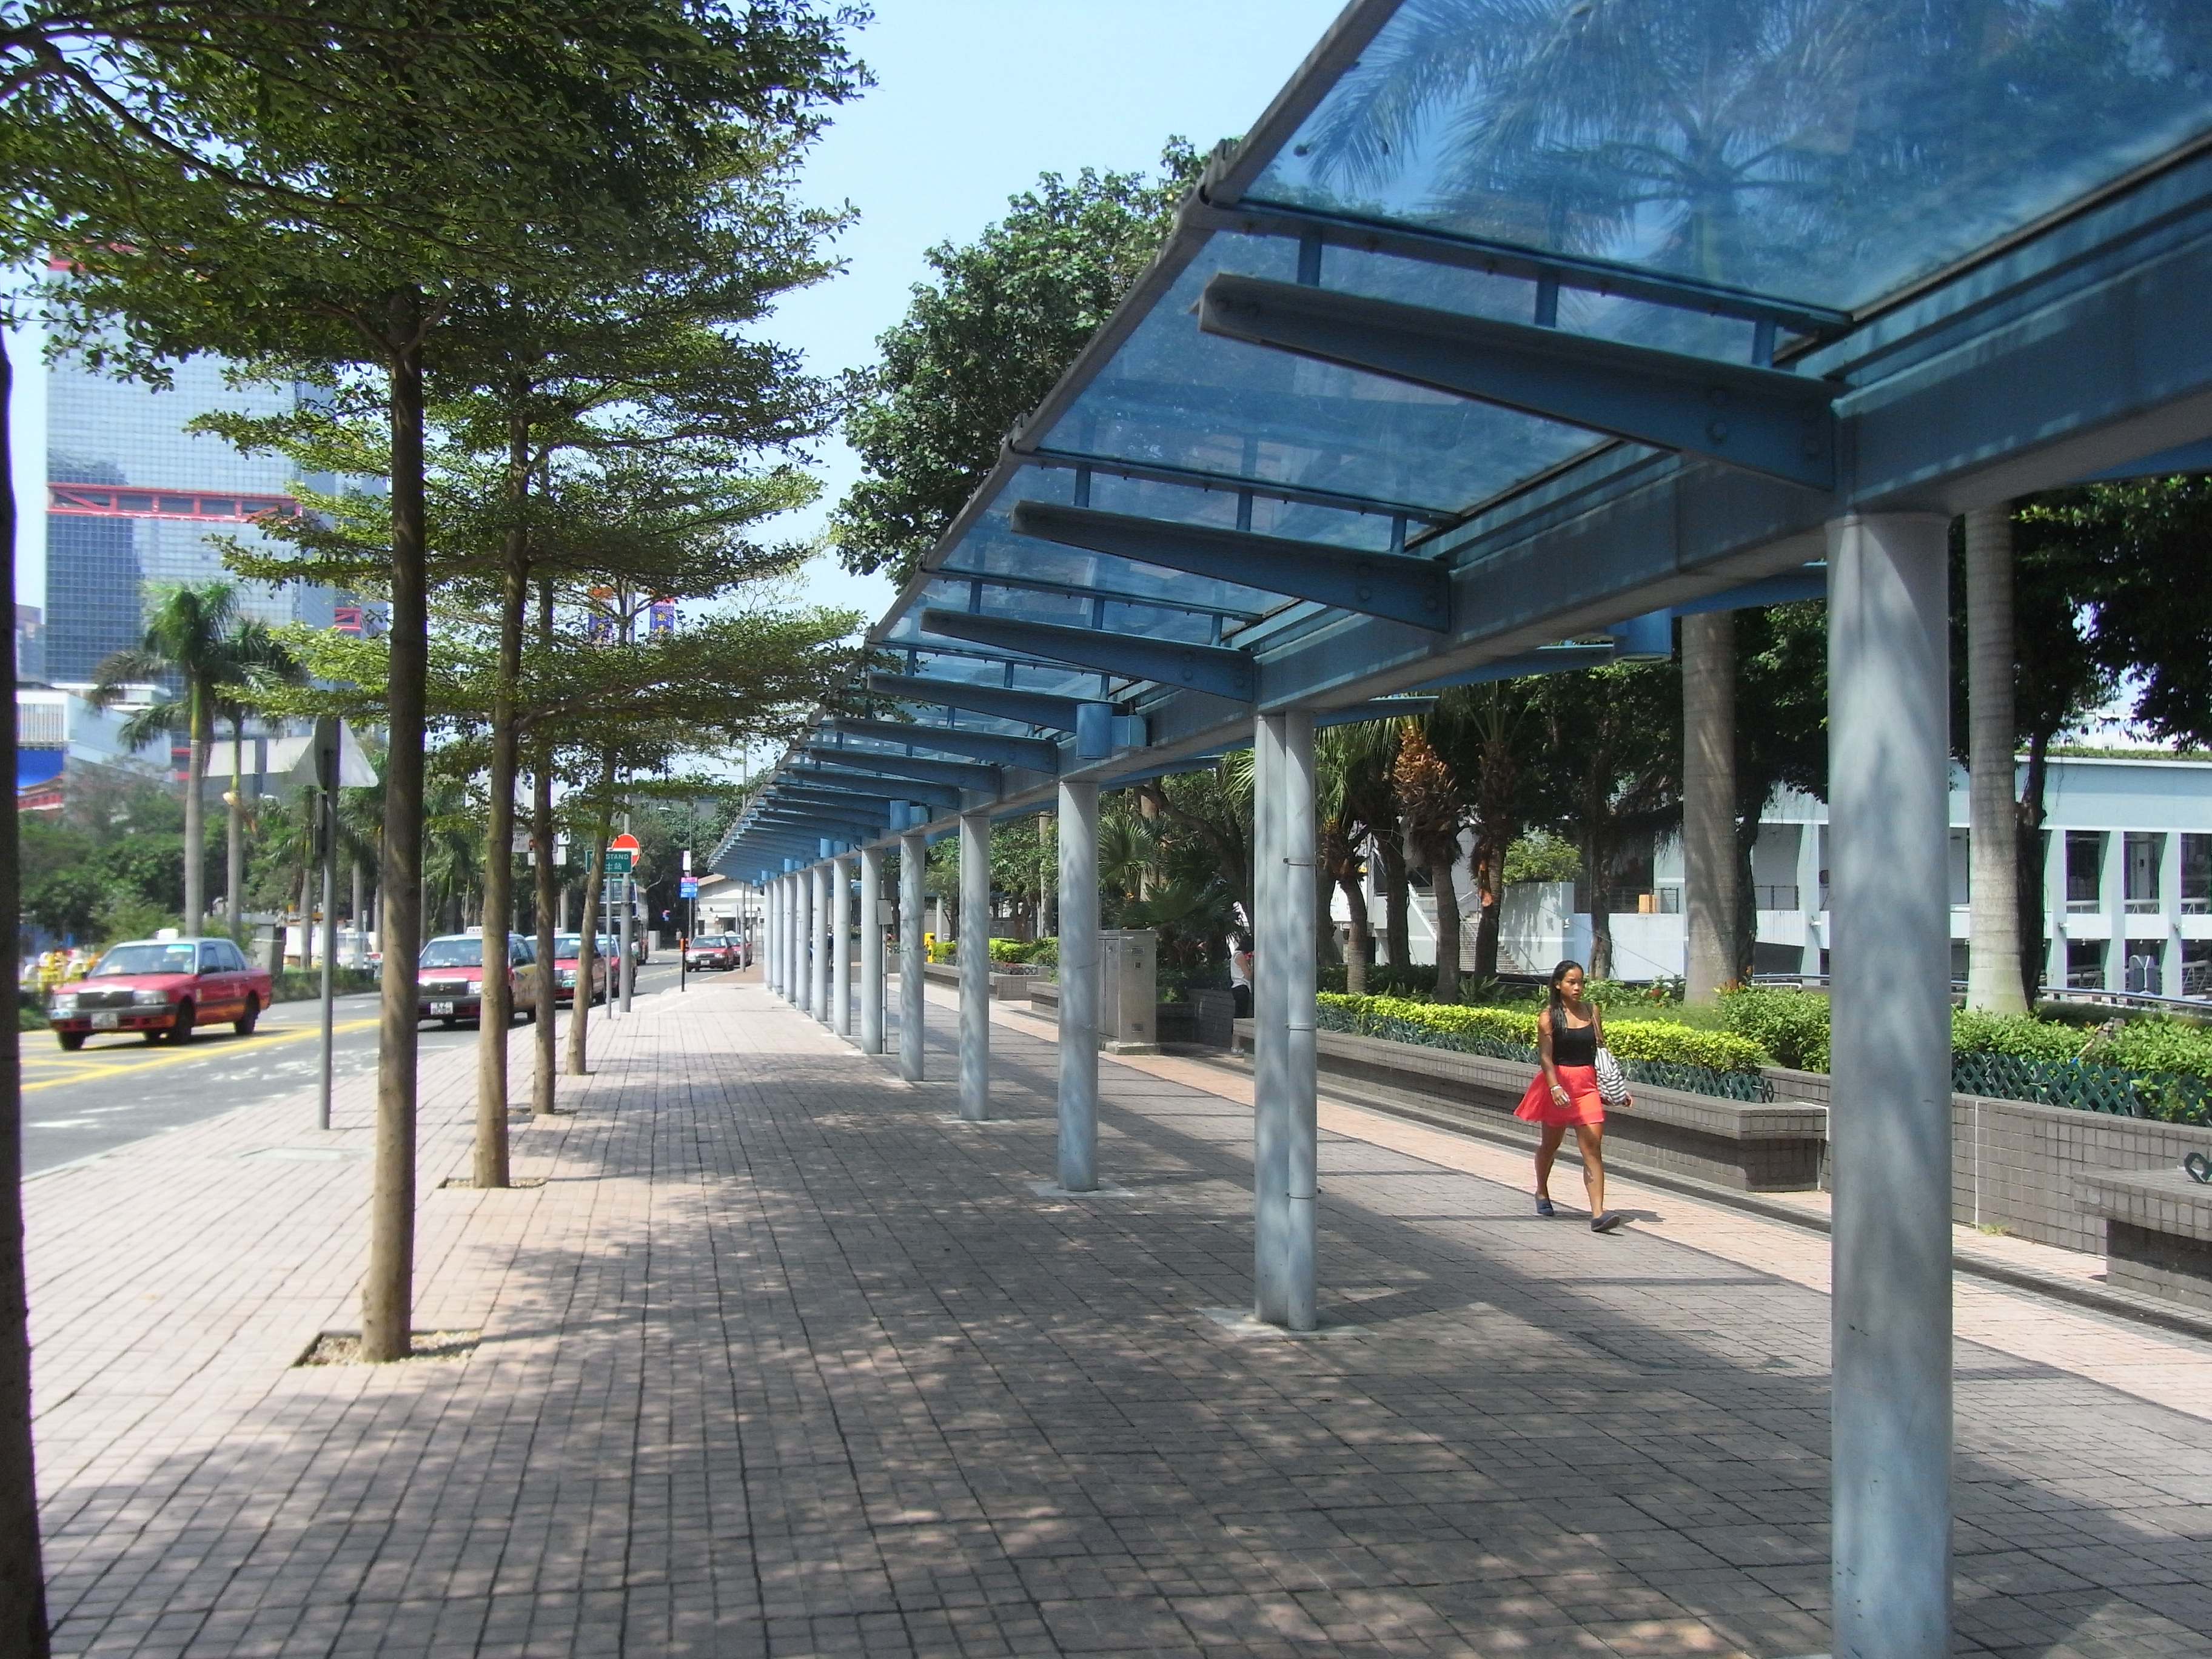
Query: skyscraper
133	499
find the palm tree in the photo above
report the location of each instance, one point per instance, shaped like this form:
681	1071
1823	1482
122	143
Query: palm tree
1356	806
197	642
1429	798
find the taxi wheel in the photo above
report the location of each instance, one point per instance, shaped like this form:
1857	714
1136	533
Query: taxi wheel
71	1041
182	1031
244	1023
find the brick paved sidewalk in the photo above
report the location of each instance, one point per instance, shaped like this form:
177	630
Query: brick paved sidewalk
780	1361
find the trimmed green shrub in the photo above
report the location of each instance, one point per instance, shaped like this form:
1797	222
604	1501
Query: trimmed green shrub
297	984
1791	1026
1975	1031
2159	1044
1655	1040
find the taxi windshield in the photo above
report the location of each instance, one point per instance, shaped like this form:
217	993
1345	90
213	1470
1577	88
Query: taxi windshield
453	953
567	947
146	960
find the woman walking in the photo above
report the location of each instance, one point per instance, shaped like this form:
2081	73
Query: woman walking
1564	1093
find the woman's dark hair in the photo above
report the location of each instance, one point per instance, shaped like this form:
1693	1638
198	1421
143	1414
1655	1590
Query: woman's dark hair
1558	973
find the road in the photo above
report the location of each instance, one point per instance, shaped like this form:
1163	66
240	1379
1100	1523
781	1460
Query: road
120	1089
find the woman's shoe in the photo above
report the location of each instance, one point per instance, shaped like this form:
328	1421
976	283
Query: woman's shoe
1544	1207
1607	1222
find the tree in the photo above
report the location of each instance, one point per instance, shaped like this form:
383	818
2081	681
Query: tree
1484	732
1781	730
980	347
1429	800
196	640
1357	809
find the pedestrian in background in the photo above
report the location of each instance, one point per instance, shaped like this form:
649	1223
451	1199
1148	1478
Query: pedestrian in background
1564	1094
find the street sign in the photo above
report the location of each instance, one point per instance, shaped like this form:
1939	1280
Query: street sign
688	887
619	859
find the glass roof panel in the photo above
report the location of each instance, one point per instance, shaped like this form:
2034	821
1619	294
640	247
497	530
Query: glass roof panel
1826	151
1172	396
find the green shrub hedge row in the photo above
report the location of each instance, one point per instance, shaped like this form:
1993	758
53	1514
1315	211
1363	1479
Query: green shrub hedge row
1653	1040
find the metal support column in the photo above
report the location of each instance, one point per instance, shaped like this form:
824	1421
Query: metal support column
871	950
818	941
914	860
778	941
1270	1087
1294	826
975	966
841	947
1889	764
1077	839
772	945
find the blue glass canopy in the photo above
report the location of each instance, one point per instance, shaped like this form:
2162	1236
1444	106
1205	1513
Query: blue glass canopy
1596	307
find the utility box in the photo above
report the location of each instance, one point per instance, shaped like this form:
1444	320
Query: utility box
269	946
1128	991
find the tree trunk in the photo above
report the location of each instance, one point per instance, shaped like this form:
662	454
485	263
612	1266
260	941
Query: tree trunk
1598	872
307	914
1397	900
588	948
196	749
23	1574
1326	949
1359	935
548	889
234	863
1994	976
491	1147
1445	888
387	1291
2033	900
1712	895
1485	866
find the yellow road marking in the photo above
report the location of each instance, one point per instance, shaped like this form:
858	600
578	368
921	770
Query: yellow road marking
77	1070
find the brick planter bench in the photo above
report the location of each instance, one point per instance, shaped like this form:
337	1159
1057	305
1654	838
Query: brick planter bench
1005	988
2158	1232
1773	1147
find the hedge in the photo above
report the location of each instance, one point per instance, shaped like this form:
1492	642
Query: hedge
1662	1042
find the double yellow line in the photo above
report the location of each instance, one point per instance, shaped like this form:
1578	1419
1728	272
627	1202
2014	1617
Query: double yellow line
75	1070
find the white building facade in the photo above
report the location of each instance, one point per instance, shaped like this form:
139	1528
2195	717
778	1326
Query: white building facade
2127	889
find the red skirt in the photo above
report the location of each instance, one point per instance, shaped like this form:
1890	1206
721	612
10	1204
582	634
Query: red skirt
1583	1104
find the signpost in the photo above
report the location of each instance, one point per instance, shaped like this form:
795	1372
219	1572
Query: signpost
622	860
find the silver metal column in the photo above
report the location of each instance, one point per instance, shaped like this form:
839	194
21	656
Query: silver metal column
1079	985
773	957
913	860
871	950
818	941
975	966
1270	1087
787	925
1294	826
1889	762
841	947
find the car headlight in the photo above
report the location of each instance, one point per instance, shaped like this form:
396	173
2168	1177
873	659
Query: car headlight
63	1002
150	999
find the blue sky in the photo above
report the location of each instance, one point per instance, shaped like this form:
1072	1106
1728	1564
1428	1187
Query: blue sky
973	100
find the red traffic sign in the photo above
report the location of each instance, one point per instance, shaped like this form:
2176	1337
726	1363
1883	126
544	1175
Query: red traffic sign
623	844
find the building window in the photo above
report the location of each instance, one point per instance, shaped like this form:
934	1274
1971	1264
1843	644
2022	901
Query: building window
2085	963
2146	967
2197	875
1776	896
2141	855
2196	967
1670	901
2085	870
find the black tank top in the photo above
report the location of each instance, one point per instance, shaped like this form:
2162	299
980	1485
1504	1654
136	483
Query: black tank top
1572	1045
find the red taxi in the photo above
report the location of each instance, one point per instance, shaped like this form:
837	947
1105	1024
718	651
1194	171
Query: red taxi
449	978
567	952
163	988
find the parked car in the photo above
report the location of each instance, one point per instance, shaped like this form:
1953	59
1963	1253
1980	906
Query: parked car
163	988
716	950
450	977
567	952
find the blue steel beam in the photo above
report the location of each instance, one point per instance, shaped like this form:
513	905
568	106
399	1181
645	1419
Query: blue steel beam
847	763
1550	659
1379	708
1210	668
1760	420
814	789
1376	584
1030	708
993	748
1810	583
1093	591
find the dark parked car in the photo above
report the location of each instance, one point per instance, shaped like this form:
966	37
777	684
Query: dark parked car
163	988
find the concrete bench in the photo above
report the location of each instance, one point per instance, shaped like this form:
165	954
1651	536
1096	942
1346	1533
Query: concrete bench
2158	1232
1005	988
1753	1146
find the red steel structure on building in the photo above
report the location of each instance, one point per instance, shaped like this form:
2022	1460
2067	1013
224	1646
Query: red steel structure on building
94	500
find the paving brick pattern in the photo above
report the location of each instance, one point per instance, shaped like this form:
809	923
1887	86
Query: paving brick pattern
779	1361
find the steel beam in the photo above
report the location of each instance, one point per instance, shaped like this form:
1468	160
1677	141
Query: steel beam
992	748
1547	660
1376	709
1810	583
1270	1089
1027	708
1373	584
1212	669
845	763
811	787
1889	778
1760	420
